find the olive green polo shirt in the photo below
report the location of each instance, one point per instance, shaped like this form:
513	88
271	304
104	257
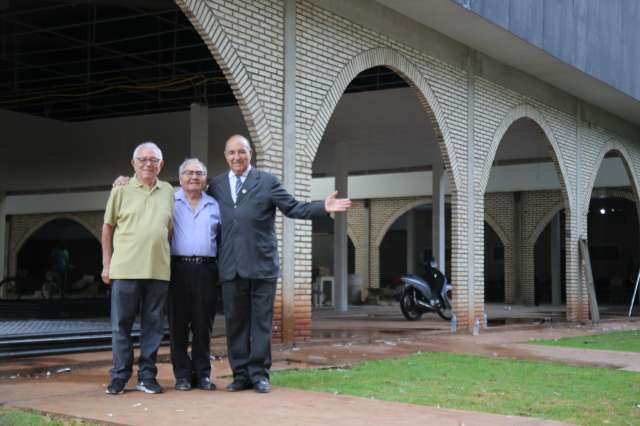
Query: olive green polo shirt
142	220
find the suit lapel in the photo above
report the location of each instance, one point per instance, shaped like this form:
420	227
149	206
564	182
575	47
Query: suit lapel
222	184
252	180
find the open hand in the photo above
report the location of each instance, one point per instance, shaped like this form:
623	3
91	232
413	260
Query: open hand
333	204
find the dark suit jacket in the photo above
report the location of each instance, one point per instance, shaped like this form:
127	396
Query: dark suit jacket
249	247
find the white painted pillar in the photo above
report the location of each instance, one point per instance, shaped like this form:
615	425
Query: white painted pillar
438	215
340	237
289	174
411	241
199	132
556	267
517	250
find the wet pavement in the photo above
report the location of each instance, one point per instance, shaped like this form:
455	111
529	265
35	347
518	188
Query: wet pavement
73	385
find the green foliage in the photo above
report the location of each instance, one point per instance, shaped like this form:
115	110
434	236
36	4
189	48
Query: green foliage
627	341
580	395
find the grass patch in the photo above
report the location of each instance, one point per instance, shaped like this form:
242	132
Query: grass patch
581	395
627	341
15	417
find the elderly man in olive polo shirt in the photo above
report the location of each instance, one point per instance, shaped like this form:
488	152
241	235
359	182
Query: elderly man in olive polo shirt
136	262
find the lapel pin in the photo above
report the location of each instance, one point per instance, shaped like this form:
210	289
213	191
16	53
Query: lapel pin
244	191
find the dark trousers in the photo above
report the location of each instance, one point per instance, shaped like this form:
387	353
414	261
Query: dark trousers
248	312
127	296
192	307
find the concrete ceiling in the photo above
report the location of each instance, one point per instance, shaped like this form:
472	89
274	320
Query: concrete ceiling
388	130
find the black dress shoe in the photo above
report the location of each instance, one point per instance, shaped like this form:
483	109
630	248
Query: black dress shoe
183	385
239	385
262	386
205	383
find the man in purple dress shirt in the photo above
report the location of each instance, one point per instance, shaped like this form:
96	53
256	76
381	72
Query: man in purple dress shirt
194	277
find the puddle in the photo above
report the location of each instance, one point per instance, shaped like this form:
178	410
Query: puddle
511	321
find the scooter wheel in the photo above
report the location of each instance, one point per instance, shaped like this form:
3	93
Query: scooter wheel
409	309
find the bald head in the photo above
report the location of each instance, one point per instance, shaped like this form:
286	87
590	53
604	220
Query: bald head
239	139
237	152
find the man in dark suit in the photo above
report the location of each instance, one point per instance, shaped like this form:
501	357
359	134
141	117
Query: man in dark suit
248	262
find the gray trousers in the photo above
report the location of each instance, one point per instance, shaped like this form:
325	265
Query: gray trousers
127	296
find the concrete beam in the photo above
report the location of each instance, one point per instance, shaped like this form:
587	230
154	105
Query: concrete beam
556	264
438	215
340	236
411	241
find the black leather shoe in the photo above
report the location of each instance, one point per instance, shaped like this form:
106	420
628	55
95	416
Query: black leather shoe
205	383
239	385
183	385
262	386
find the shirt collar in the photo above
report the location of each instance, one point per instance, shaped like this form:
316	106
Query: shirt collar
243	176
138	184
180	196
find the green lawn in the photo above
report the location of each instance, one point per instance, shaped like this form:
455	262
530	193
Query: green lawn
14	417
581	395
628	341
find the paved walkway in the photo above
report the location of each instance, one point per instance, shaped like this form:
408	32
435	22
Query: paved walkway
367	334
82	395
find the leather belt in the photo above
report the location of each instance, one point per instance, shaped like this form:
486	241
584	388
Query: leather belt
194	259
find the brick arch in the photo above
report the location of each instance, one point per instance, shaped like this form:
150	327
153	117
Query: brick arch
411	74
25	237
404	208
613	145
504	239
15	249
535	233
223	51
527	111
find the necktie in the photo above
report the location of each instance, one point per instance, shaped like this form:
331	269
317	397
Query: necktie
238	185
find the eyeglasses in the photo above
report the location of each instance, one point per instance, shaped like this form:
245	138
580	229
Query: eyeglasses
192	173
151	160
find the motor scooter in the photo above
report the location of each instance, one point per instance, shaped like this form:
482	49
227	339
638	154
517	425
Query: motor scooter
431	293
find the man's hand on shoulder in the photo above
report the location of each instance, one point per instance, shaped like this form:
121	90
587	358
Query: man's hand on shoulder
121	181
333	204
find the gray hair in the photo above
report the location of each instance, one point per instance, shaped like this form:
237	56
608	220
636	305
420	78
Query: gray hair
150	145
188	161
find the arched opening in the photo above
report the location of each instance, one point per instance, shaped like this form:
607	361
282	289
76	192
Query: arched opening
380	145
58	272
401	253
524	183
613	248
612	229
494	264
